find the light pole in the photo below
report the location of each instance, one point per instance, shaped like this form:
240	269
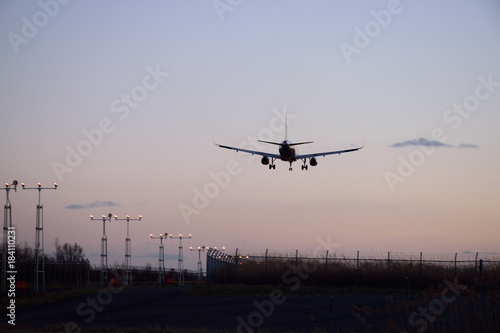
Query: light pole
200	249
39	256
200	270
7	226
180	281
161	257
128	249
104	248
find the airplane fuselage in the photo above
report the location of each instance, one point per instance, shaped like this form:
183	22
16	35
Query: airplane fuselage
287	152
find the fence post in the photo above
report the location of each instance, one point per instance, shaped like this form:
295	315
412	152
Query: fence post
296	261
265	268
455	265
389	268
357	270
475	264
480	278
420	273
326	268
236	267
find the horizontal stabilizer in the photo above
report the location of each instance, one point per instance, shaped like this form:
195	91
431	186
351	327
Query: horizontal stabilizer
272	143
300	143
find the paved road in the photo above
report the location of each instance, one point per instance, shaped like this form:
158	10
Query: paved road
169	307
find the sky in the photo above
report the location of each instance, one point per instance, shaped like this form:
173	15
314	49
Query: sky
120	103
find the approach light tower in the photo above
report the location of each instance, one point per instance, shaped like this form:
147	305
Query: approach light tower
200	270
7	226
180	279
104	249
128	249
200	249
39	256
161	257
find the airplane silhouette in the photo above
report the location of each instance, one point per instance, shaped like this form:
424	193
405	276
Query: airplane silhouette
287	152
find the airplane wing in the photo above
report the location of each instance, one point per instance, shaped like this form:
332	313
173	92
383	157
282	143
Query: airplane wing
328	153
277	156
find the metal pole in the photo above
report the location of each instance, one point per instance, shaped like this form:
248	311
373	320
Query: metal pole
236	267
7	226
389	269
180	281
128	249
475	264
265	267
296	261
200	249
357	269
455	265
420	272
104	249
161	258
326	267
39	246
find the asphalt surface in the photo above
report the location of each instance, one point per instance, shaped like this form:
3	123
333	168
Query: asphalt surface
170	307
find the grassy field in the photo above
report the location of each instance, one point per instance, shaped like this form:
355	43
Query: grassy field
438	302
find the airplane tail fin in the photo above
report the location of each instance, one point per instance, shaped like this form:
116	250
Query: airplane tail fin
286	137
286	127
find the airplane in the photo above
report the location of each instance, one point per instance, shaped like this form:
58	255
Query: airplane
287	152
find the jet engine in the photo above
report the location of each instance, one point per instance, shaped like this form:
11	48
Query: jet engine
313	161
265	160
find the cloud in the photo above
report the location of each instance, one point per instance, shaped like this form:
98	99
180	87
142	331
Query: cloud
467	145
423	142
94	204
420	142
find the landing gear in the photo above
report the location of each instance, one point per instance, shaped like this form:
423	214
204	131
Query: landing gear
272	165
290	169
304	167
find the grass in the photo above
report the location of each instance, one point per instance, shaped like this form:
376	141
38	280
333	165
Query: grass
460	308
29	298
475	309
106	329
341	273
58	292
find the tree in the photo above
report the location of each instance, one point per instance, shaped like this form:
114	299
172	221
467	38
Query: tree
69	253
24	253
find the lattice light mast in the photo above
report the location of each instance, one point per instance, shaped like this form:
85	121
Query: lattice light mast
200	269
200	249
128	249
39	255
180	279
161	257
7	226
104	249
